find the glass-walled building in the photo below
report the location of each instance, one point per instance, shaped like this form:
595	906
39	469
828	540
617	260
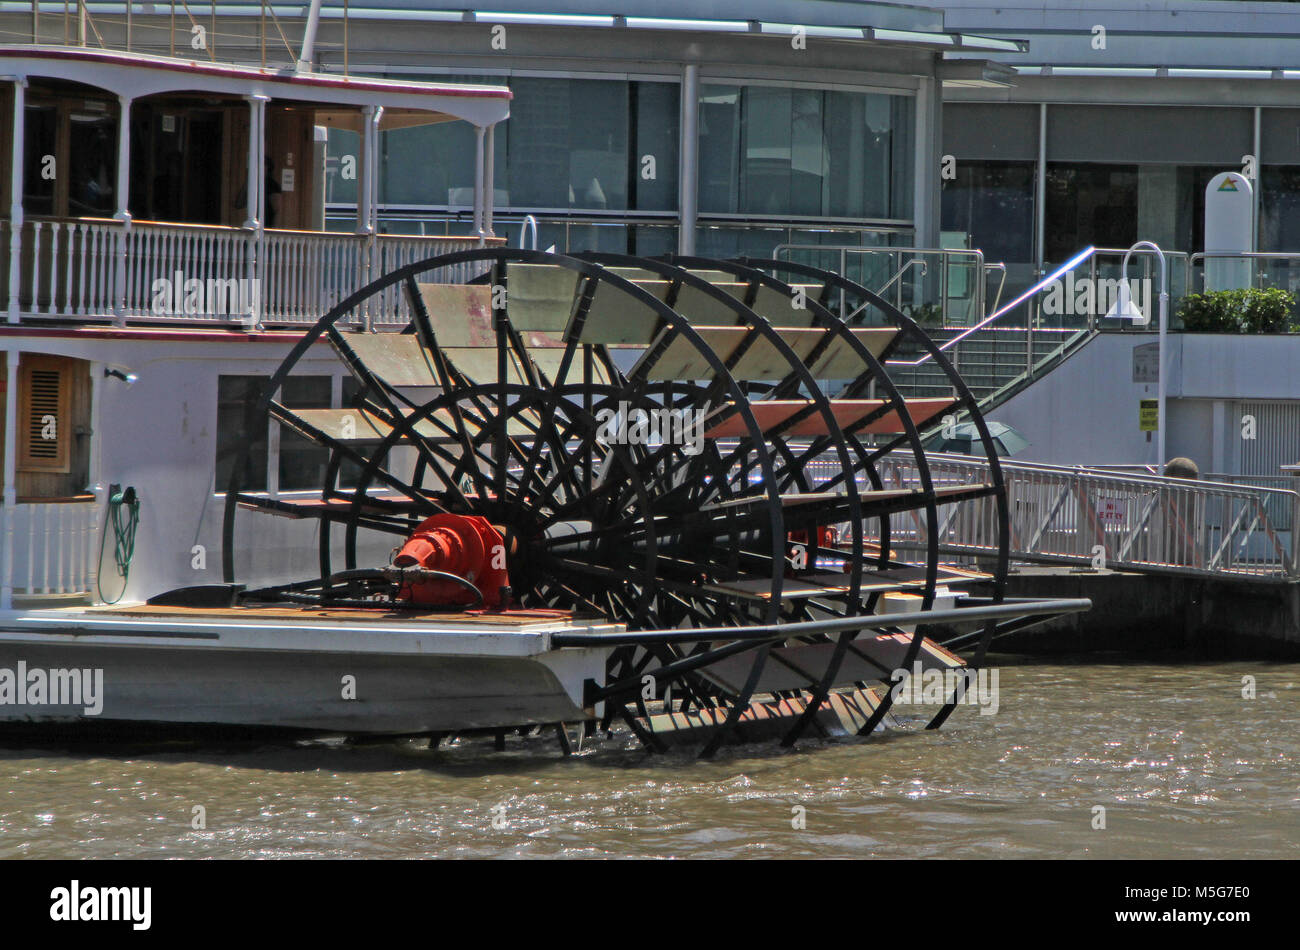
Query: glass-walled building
667	131
1114	124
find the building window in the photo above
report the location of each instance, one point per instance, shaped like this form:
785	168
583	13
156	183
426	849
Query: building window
1113	205
1279	209
777	152
584	144
993	203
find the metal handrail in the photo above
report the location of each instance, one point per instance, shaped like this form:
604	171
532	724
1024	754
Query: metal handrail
529	226
1199	258
1002	311
944	254
901	271
999	266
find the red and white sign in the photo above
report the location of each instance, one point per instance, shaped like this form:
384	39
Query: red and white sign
1111	511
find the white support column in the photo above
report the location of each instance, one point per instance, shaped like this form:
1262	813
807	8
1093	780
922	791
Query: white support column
688	187
10	477
308	50
489	178
1040	193
365	185
123	212
16	197
256	207
367	199
374	179
256	160
480	173
925	155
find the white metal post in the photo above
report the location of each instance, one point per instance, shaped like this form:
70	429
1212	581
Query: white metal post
123	212
10	477
309	37
16	197
256	210
1160	350
489	177
688	169
480	173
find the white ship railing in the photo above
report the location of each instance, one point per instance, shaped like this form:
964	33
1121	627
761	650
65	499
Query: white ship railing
156	272
54	546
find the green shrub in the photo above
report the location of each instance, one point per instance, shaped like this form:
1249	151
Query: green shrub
1240	311
926	314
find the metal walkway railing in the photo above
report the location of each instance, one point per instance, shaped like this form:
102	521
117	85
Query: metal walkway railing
1134	522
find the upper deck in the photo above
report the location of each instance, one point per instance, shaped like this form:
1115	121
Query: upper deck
126	181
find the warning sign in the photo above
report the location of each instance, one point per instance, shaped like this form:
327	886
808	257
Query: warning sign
1148	415
1146	363
1110	511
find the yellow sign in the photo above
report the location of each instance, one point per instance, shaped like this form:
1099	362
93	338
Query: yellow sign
1148	415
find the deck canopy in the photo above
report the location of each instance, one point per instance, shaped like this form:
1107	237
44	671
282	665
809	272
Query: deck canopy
135	75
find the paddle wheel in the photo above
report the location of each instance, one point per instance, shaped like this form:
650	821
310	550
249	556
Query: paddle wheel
686	447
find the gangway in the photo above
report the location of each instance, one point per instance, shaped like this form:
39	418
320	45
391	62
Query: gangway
1131	521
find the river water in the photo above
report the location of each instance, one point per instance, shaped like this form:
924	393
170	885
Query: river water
1183	765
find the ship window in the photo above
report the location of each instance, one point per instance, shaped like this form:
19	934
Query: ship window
302	462
40	170
297	463
235	395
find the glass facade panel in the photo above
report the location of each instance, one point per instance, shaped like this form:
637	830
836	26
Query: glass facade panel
1115	205
992	202
723	241
342	166
587	146
656	108
1279	208
594	145
773	151
568	144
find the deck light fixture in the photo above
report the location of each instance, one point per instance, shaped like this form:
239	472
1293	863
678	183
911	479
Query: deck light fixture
128	378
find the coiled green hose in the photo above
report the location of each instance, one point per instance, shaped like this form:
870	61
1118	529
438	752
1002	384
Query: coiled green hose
124	516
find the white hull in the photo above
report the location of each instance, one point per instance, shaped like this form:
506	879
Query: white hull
408	677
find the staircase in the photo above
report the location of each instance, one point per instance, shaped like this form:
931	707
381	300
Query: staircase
995	362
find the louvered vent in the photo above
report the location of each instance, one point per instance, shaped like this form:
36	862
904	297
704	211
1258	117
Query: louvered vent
44	410
43	405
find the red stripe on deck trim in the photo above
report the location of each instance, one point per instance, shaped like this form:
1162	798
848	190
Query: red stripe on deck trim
170	335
